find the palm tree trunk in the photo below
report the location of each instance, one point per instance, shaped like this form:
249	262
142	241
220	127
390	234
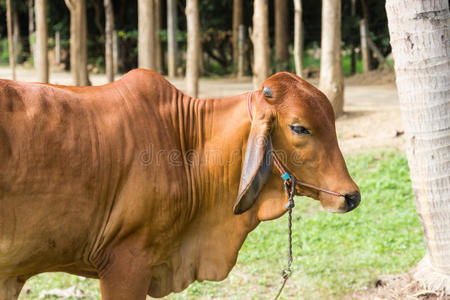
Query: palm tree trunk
364	45
193	48
12	61
420	40
331	79
238	18
172	37
260	39
298	40
281	35
109	35
31	33
240	60
17	39
41	40
146	34
78	42
158	46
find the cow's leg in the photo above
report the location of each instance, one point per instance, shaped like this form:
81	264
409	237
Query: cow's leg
10	288
125	276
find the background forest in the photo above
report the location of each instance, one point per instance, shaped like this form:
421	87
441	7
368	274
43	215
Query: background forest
216	34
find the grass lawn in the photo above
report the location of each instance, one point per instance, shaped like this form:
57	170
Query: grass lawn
334	255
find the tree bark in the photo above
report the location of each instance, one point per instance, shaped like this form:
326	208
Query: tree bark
420	40
109	36
331	79
78	42
298	40
281	35
12	61
41	40
146	34
172	22
238	19
260	39
193	47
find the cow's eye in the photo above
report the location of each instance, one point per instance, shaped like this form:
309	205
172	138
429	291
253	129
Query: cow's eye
299	129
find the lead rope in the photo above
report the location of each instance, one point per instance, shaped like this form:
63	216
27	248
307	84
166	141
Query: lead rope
286	272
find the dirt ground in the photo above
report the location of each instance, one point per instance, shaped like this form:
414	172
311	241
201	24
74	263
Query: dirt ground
371	120
397	287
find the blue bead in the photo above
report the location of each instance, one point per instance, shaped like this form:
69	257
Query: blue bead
285	176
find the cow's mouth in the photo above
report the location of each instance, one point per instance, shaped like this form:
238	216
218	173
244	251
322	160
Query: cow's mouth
308	192
331	203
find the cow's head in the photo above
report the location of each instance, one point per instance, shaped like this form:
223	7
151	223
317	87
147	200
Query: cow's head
296	120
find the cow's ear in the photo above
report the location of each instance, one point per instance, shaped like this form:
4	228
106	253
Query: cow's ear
257	167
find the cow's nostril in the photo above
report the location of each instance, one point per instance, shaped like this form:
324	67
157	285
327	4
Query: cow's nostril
352	200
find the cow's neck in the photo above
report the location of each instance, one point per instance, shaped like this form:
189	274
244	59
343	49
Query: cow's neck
214	140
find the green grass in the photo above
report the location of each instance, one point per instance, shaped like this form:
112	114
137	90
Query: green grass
347	62
333	254
309	61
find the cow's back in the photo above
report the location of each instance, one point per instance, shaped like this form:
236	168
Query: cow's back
66	154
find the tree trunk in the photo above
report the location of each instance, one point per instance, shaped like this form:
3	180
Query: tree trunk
41	40
331	80
376	53
158	50
12	61
78	42
238	19
281	35
420	40
146	34
115	52
17	40
364	45
193	47
260	39
172	22
353	52
364	33
298	40
31	34
97	5
109	36
57	48
241	43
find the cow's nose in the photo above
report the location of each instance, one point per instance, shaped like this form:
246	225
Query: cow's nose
352	201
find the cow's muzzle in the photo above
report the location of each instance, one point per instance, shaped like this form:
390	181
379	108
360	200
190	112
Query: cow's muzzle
352	201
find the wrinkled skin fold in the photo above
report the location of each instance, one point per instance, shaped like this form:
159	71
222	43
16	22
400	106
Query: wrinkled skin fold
134	182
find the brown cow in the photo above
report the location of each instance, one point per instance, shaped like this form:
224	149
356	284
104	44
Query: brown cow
134	182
